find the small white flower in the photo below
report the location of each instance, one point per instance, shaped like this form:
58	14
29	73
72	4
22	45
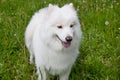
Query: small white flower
106	23
103	5
1	64
117	3
14	34
44	2
84	1
119	28
96	1
117	37
111	6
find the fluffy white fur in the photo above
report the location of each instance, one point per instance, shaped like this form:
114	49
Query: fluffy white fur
43	38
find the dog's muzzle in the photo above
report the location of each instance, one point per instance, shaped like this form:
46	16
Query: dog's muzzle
66	43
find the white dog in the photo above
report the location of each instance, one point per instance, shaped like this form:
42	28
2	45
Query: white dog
52	38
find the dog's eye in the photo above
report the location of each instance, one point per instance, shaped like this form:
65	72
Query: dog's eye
71	25
60	27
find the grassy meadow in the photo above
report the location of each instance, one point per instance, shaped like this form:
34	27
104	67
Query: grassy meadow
100	46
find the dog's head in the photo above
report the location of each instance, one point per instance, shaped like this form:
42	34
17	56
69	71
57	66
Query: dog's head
63	24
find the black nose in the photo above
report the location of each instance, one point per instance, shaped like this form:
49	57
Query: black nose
68	38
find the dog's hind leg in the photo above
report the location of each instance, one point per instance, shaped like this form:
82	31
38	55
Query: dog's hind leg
32	57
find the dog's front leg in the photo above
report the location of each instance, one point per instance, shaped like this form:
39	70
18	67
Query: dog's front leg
41	73
65	74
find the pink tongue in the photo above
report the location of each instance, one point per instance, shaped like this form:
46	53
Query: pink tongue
66	44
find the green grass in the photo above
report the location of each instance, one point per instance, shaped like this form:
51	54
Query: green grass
100	47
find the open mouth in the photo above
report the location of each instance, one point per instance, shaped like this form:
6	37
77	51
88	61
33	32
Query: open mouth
66	44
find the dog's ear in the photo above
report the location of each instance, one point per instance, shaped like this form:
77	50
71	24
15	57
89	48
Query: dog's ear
71	5
51	7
